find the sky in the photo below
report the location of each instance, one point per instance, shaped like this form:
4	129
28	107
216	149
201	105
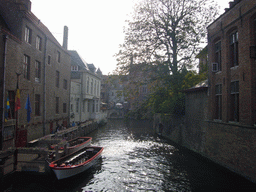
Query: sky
95	27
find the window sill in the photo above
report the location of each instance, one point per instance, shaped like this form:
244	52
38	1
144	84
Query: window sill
234	68
234	122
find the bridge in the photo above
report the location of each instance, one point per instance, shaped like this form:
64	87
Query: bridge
115	113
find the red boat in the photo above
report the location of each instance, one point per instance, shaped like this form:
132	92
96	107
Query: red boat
76	162
76	144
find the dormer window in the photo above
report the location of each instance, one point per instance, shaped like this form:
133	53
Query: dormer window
74	68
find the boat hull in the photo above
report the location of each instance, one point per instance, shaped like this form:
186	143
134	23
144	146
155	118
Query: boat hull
77	147
62	174
72	170
73	149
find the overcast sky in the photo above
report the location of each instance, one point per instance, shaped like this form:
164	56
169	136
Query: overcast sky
95	27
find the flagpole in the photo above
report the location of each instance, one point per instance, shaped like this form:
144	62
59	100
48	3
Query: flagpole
3	91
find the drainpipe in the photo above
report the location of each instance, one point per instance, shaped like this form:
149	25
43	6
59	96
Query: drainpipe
5	37
44	86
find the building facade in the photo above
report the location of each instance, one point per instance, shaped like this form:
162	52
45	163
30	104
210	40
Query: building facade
232	66
39	67
85	90
229	137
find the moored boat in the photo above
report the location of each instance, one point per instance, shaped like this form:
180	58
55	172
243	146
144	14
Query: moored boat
76	144
77	162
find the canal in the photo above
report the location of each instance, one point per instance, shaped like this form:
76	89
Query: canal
135	159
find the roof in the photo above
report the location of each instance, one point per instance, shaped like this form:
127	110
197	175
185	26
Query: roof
231	5
41	26
203	85
76	59
92	67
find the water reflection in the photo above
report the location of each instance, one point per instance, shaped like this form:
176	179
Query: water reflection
134	160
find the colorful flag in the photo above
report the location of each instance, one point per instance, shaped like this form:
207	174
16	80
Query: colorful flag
7	109
8	103
17	99
28	107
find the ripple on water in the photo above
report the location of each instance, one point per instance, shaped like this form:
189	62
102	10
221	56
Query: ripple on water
132	164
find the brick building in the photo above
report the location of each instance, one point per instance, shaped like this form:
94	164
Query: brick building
232	67
40	66
230	134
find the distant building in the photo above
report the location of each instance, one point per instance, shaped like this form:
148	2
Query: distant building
35	61
85	90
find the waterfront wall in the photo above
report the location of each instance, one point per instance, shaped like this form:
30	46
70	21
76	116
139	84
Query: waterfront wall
228	144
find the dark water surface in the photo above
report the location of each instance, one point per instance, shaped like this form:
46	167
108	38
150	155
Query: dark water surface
135	159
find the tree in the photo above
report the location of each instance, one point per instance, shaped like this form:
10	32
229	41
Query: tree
165	35
165	32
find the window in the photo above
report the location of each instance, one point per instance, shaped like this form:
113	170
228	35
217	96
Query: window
95	87
74	68
218	55
58	56
234	49
93	106
87	85
97	106
218	101
39	43
84	106
71	107
64	107
28	35
88	106
37	105
143	89
234	99
77	105
38	71
98	88
92	87
49	60
26	67
57	105
65	84
57	78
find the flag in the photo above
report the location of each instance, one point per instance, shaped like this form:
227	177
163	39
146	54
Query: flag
17	99
7	108
8	103
28	107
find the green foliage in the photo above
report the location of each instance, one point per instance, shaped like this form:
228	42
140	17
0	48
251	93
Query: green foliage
192	78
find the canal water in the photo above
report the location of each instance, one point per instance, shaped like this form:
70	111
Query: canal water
135	159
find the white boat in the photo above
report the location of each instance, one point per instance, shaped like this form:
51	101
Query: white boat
76	144
75	163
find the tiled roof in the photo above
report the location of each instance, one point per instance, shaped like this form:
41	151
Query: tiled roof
76	59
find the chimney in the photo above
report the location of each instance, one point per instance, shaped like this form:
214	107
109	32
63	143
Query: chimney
65	38
27	4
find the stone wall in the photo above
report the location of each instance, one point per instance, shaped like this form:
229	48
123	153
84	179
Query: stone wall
232	146
228	144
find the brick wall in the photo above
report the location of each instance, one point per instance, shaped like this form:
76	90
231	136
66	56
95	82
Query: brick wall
239	18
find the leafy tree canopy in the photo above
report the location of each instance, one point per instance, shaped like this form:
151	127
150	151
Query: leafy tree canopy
165	36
